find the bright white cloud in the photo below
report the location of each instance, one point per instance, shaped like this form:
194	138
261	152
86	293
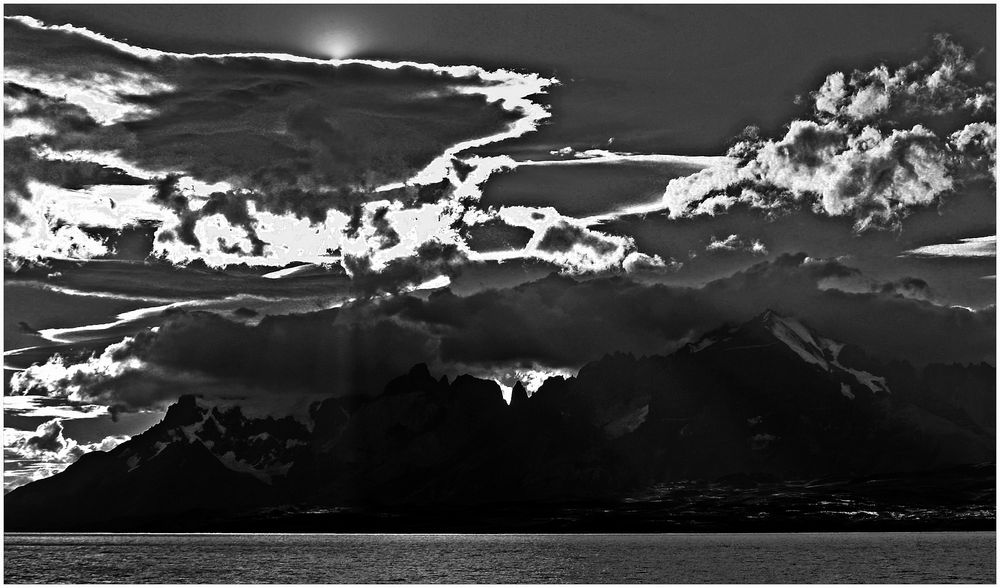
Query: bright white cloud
735	243
285	237
566	242
38	234
941	83
971	247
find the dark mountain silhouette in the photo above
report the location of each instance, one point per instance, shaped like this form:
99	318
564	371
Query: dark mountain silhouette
760	405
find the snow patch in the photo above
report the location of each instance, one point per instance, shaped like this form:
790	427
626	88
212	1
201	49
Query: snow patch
798	338
627	423
820	351
696	347
230	460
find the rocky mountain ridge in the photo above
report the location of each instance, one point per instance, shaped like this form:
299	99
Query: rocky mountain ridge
770	399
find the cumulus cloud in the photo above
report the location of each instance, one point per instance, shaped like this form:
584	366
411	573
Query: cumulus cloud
944	82
977	144
76	381
882	143
970	247
874	177
30	456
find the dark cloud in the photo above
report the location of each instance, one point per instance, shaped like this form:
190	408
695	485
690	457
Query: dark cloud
384	233
558	321
48	437
562	237
301	127
581	250
232	205
315	353
430	260
555	322
495	235
60	116
909	287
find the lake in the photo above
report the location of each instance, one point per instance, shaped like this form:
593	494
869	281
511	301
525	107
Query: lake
961	557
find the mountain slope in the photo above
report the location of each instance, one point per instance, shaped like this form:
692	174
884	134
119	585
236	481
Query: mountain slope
766	400
773	396
197	457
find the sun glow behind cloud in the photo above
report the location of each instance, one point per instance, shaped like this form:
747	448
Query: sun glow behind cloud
338	44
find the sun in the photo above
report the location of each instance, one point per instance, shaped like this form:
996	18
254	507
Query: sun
338	45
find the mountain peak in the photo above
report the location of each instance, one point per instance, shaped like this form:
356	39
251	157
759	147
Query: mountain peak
420	372
769	315
772	319
772	329
183	412
518	395
799	338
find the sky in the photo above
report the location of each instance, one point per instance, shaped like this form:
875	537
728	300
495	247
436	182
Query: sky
657	78
274	204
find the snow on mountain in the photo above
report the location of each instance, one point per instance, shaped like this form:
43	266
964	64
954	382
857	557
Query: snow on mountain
802	341
262	447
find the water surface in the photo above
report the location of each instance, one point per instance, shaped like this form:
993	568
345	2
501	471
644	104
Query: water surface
359	558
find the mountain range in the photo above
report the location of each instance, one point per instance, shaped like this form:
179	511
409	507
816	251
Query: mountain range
731	431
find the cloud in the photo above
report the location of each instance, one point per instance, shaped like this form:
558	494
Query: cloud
48	437
431	260
977	143
569	244
570	156
636	262
303	354
77	382
734	243
970	247
944	82
874	177
908	287
857	282
45	239
48	407
581	249
254	158
556	323
882	144
30	456
560	322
